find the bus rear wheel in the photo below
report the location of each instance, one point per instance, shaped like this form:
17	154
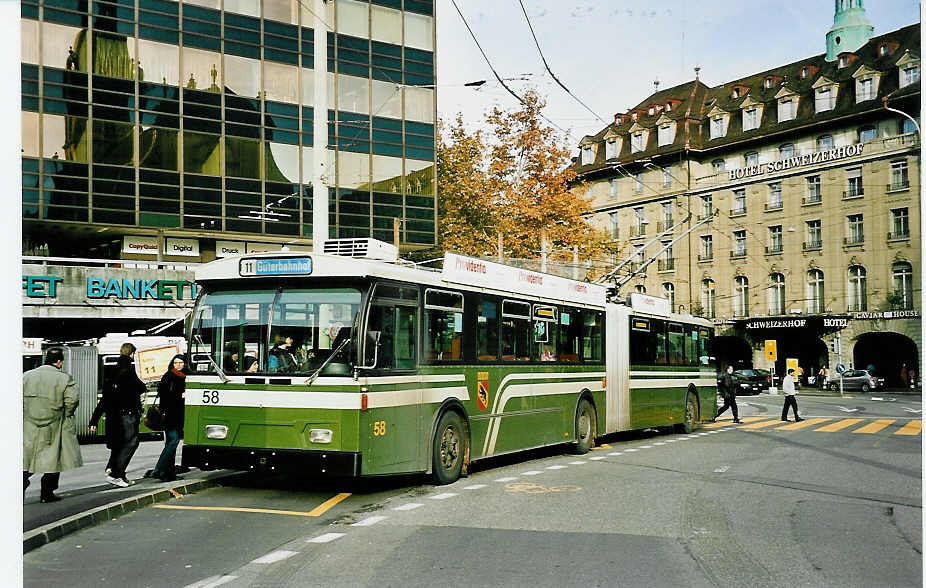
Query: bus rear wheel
448	450
586	427
691	415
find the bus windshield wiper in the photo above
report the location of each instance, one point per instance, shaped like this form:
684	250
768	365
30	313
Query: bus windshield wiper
218	370
337	350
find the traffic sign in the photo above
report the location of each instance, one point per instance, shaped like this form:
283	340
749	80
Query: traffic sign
771	349
840	368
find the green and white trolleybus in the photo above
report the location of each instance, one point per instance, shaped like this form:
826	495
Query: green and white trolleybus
347	365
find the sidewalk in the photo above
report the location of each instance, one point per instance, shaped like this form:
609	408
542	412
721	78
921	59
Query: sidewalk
87	499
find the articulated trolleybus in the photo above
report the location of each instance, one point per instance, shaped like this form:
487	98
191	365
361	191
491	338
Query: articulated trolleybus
347	365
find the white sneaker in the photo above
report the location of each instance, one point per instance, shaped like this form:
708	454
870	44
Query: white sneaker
108	471
117	482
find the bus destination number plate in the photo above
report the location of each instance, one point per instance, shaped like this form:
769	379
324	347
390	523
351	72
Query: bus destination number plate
284	266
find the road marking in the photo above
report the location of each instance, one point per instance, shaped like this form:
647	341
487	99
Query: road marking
616	453
604	446
531	488
874	427
598	457
838	425
212	582
409	506
911	428
578	462
802	424
475	487
671	440
326	538
631	450
369	521
328	505
508	479
844	409
274	556
659	443
913	410
721	469
646	447
562	467
531	473
443	496
293	513
760	425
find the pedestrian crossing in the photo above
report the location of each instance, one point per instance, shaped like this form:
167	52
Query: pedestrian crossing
827	425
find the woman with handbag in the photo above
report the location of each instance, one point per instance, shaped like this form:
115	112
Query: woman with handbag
170	391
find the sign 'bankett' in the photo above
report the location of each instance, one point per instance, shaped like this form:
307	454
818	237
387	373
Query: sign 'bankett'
796	161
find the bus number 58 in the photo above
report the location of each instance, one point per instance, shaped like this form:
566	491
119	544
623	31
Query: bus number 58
210	397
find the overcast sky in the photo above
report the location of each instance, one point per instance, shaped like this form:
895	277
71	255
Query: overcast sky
609	52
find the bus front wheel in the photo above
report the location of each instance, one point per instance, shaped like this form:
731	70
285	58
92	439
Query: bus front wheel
586	427
448	449
691	415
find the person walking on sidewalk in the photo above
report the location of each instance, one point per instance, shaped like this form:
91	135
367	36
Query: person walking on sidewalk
787	386
50	399
121	403
728	391
171	389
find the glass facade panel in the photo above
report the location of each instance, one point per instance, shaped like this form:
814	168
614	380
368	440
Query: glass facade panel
353	94
249	7
206	3
202	70
353	18
308	86
113	143
308	159
420	177
353	170
387	101
202	154
30	132
281	82
282	10
242	157
65	138
419	31
64	47
30	41
242	76
419	104
158	62
281	162
158	148
387	174
386	25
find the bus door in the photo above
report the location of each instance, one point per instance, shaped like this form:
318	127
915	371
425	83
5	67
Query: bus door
393	429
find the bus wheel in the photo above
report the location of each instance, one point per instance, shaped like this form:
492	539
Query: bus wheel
691	415
586	427
449	448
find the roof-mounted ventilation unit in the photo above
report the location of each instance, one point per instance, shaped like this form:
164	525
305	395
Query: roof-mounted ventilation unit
364	248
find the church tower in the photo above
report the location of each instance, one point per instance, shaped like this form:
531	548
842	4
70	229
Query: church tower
850	30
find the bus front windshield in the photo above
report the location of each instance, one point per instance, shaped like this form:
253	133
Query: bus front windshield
290	331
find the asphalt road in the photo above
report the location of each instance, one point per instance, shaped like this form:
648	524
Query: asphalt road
762	504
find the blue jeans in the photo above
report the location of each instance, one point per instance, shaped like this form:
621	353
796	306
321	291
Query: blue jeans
165	466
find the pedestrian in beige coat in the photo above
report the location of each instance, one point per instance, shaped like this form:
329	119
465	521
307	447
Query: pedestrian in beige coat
50	446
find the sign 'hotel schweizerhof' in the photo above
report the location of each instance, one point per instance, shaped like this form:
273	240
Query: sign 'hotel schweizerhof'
796	162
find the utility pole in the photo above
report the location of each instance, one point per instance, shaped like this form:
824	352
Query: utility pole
543	250
320	174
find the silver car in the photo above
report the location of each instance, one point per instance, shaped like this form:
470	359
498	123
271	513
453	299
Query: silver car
856	380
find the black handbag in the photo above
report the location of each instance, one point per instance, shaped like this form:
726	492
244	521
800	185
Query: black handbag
153	417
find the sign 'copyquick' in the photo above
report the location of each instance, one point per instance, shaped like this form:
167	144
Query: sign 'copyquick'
275	266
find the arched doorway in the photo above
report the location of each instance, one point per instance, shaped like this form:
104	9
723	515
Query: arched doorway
731	350
887	353
810	353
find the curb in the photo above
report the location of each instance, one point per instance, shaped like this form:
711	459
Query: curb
53	531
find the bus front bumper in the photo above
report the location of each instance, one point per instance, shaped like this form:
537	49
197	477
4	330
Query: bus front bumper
272	461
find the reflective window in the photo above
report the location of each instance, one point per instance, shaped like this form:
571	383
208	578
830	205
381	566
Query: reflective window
815	300
216	4
353	18
158	62
419	31
308	86
281	162
387	174
387	100
114	56
157	148
30	131
281	82
353	94
741	296
419	104
242	75
708	299
242	157
30	41
487	331
64	138
386	24
858	292
902	280
202	154
308	159
282	10
420	177
58	47
353	169
113	142
201	70
308	18
249	7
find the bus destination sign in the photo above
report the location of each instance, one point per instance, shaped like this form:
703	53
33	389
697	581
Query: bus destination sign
275	266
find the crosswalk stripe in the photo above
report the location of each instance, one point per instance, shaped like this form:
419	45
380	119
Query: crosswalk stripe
838	425
761	425
802	424
911	428
874	427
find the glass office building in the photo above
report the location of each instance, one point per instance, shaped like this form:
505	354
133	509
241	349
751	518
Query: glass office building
197	117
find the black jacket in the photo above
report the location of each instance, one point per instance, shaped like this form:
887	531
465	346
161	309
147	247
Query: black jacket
121	395
728	385
170	391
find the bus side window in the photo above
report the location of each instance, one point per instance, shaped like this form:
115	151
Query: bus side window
659	333
570	333
487	331
516	331
691	345
443	325
676	344
393	313
592	335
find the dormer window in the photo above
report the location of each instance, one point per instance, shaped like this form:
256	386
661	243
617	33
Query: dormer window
750	118
668	107
824	94
843	61
909	75
588	154
633	116
718	126
637	141
786	109
651	111
805	71
864	89
883	49
768	83
736	92
610	148
666	134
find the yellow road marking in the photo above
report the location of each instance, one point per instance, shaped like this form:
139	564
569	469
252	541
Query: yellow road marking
838	425
911	428
802	424
874	427
175	493
761	425
603	446
315	512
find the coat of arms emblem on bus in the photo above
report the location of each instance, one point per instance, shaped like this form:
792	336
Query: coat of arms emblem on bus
482	390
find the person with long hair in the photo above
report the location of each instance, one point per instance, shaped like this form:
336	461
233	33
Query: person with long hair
170	390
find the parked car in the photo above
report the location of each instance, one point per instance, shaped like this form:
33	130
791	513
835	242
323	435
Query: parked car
856	380
750	381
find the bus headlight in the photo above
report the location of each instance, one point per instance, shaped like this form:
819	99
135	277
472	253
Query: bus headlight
320	435
216	431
